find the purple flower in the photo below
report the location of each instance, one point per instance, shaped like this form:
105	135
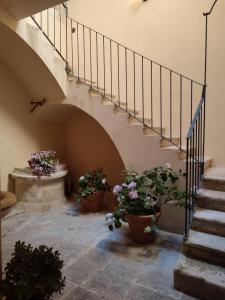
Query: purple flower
132	185
133	195
117	189
124	185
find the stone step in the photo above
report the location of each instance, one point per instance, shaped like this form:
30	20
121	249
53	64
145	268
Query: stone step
209	199
214	179
154	131
200	279
209	221
207	162
205	246
181	153
169	141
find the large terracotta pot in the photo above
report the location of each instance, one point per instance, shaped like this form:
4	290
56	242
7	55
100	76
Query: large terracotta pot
93	202
137	225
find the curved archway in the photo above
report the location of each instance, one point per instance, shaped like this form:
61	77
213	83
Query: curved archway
87	145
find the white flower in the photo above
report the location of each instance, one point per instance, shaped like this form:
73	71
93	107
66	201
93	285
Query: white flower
109	222
109	219
103	181
169	166
108	216
81	178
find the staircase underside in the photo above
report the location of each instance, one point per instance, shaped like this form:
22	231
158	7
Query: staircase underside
27	65
20	9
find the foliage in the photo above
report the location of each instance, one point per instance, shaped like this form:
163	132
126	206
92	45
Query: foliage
43	163
32	273
145	193
92	182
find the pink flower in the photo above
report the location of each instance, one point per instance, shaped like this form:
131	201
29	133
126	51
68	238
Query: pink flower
133	195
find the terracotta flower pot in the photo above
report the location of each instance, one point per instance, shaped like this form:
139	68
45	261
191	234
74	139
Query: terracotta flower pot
93	202
137	225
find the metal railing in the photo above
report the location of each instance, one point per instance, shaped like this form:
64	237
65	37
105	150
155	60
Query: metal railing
195	155
155	95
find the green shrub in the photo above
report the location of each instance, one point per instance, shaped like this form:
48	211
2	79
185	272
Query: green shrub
33	273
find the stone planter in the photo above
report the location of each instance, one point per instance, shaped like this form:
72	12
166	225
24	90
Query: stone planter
137	225
93	202
39	193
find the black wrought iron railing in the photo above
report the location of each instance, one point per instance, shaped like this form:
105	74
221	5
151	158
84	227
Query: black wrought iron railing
194	160
195	155
155	95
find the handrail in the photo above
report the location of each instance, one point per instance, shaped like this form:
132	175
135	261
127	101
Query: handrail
209	12
190	130
129	49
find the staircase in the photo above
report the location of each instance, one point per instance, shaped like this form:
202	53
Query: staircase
201	269
146	109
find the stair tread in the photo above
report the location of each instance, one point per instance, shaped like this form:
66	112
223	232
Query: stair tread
173	147
212	194
197	269
210	215
215	173
206	240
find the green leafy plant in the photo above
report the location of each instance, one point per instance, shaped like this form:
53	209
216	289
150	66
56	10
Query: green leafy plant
144	194
92	182
33	273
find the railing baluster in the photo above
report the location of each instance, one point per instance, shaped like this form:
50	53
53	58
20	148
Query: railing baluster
171	108
143	96
134	63
66	10
97	58
187	195
60	28
54	25
104	63
160	86
71	29
118	56
181	109
41	17
90	55
84	54
111	70
191	100
152	122
126	75
78	53
48	22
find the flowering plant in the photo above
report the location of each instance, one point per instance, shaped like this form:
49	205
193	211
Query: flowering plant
43	163
144	194
92	182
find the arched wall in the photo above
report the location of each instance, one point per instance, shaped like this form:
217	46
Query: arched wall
88	147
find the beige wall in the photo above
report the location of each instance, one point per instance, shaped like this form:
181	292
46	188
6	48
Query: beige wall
20	134
172	33
88	147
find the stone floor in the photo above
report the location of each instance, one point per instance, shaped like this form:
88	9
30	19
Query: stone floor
99	264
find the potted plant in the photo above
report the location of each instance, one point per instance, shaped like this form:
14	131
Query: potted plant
140	198
43	163
92	187
32	274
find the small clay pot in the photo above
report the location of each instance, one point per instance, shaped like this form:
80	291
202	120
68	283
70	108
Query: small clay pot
93	202
137	225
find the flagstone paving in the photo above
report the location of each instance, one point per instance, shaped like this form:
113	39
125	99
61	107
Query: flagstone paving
99	264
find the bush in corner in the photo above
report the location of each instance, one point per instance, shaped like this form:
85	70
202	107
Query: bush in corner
33	273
